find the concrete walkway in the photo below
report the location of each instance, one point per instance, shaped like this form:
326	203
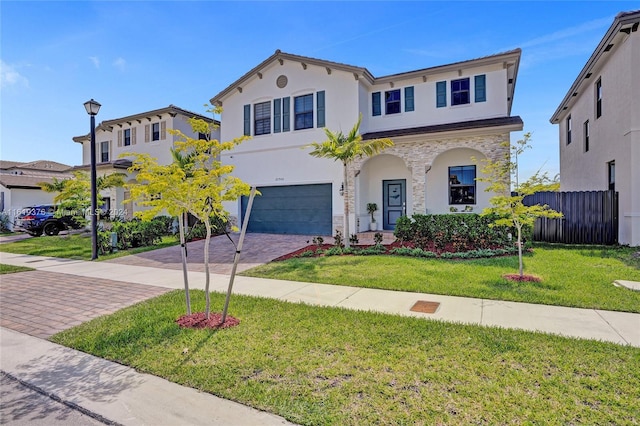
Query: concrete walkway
110	391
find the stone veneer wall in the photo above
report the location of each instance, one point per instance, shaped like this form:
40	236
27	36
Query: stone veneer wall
419	154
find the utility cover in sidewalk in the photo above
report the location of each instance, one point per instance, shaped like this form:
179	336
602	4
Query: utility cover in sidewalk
425	307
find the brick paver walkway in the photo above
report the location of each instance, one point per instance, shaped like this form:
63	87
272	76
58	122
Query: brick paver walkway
43	303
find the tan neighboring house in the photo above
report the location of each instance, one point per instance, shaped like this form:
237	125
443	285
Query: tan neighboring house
19	184
599	124
145	132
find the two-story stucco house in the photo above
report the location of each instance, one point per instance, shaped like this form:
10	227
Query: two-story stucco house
145	133
439	118
599	124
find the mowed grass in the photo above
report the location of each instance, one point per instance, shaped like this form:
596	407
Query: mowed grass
72	247
570	276
10	269
315	365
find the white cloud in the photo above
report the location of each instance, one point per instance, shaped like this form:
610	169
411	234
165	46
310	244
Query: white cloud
120	64
95	60
10	77
578	30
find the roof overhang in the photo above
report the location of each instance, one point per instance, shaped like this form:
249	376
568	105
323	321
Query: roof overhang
500	124
623	25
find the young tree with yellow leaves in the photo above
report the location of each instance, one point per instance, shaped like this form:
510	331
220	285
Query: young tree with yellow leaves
503	178
196	182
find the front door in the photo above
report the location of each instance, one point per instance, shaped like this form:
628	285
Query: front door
394	198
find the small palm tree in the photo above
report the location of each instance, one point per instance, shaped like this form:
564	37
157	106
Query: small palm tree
346	148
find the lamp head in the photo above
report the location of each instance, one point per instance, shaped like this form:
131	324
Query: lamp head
92	107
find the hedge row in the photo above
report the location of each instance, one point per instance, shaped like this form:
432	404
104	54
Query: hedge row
453	232
135	233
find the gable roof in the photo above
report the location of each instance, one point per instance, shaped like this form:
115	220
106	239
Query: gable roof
172	110
509	59
624	24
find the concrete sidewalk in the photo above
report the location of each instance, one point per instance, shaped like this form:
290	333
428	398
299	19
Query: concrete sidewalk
616	327
113	393
117	394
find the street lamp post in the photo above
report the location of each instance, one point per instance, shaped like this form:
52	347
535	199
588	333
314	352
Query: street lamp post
92	108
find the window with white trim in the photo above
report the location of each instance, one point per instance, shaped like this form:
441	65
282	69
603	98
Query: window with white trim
262	118
460	91
303	111
462	185
104	152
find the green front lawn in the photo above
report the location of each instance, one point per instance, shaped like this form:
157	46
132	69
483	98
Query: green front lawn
571	276
10	269
317	365
72	246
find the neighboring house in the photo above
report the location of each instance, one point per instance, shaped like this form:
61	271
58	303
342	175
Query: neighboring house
439	118
146	132
19	184
599	124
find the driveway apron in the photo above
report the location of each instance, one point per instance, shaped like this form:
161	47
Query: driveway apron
41	303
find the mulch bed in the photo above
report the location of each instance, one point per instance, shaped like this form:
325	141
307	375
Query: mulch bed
198	320
522	279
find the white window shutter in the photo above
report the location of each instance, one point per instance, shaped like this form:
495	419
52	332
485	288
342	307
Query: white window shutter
119	137
133	135
163	130
147	130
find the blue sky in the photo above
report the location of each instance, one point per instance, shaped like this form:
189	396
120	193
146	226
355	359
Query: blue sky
137	56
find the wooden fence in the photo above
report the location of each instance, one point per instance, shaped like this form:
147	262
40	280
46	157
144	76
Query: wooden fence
590	217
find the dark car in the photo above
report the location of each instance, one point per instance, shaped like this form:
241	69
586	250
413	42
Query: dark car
36	220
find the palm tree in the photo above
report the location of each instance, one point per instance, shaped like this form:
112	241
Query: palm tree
346	148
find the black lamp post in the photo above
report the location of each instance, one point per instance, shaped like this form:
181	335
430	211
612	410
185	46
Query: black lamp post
92	108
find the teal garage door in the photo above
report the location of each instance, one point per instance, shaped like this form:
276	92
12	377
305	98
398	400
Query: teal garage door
293	209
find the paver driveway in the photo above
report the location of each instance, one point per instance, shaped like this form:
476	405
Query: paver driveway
257	249
41	303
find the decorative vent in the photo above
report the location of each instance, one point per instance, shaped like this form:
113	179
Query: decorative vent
282	81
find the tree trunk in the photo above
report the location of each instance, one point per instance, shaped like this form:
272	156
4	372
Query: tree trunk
520	250
345	199
183	246
206	267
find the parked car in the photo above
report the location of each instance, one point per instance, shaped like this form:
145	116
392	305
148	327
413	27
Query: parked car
36	220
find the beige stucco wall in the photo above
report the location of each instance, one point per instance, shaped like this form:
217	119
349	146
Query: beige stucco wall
615	136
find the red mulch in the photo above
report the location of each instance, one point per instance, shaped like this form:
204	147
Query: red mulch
198	320
522	279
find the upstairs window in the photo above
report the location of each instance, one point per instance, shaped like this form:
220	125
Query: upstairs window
392	101
127	137
460	91
104	152
303	110
376	109
462	185
586	135
598	98
568	124
155	132
262	118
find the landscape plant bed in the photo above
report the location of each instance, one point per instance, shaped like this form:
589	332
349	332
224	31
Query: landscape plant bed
315	365
398	248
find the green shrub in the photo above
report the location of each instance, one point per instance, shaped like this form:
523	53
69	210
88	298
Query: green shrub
135	233
460	232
